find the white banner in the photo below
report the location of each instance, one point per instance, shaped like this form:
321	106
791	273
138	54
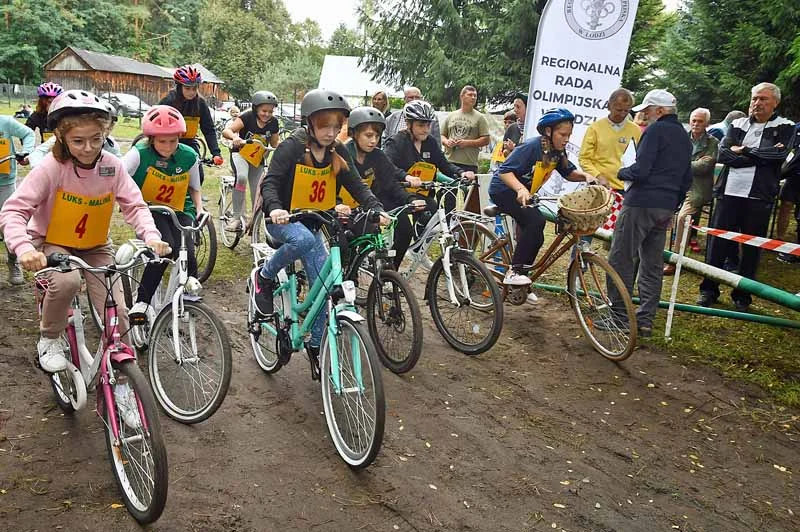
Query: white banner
580	52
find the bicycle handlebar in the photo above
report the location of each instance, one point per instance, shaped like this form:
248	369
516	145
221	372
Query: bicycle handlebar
61	263
18	156
456	183
200	222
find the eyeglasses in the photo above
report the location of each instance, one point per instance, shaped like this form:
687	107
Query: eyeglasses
93	143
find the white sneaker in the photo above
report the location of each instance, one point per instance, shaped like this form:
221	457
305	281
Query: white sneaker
234	224
531	299
126	405
51	354
140	307
15	277
516	279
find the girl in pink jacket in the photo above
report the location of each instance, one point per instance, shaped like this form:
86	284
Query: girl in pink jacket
64	205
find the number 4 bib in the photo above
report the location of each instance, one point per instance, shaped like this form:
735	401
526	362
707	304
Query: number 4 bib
313	188
5	151
80	222
165	189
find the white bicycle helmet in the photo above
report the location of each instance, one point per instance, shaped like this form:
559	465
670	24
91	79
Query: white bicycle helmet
75	102
419	110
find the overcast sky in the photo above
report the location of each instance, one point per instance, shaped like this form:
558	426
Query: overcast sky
329	13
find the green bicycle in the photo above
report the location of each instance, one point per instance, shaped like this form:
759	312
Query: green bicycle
394	318
348	371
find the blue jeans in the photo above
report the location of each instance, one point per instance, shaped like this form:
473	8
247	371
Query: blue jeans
299	243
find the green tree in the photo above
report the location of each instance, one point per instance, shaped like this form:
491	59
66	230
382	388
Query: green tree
718	49
346	41
293	76
649	31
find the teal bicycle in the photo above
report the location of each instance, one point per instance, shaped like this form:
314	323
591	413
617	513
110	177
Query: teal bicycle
348	369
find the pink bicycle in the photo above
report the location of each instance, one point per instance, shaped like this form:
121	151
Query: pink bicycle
125	401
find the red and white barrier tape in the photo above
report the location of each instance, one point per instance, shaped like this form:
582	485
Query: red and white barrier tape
778	246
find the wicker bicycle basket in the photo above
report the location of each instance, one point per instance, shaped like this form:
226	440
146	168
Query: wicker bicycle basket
585	209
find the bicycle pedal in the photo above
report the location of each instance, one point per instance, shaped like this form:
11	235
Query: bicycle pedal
137	318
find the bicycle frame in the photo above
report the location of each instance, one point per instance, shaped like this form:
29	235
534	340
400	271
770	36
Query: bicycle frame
96	370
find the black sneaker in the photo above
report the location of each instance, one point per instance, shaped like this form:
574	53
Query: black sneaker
788	259
262	294
741	306
706	299
645	331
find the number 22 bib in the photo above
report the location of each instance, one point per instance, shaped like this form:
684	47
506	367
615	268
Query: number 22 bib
80	222
164	189
313	188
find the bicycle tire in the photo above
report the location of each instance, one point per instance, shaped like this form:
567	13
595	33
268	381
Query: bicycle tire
147	506
259	228
478	238
190	392
361	273
615	341
360	450
202	146
263	336
395	319
489	293
95	315
205	251
229	238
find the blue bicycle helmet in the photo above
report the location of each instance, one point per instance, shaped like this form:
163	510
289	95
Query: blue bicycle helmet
553	117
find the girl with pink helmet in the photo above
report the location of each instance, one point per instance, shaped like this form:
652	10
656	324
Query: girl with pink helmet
167	172
64	205
38	119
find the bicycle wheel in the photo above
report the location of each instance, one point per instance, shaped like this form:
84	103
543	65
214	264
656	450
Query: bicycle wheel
606	327
394	321
229	238
139	457
263	335
362	274
69	388
137	139
484	246
257	235
355	410
205	250
192	389
202	146
472	324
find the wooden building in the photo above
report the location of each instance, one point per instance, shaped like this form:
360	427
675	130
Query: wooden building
75	68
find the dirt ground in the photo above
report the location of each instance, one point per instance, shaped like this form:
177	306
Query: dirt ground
540	433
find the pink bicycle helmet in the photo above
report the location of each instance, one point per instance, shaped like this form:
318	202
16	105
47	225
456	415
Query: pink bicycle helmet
75	102
187	75
163	120
49	89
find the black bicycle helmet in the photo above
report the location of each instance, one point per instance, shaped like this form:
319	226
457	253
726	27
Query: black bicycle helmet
419	110
553	117
365	115
262	97
322	100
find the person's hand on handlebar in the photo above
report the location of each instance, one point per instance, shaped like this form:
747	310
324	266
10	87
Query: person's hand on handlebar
33	260
523	195
469	175
238	142
413	180
218	160
279	216
342	210
160	247
385	219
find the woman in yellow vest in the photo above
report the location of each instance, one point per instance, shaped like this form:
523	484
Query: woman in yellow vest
38	120
305	172
64	205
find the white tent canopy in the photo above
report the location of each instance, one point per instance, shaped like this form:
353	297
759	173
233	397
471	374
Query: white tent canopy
341	73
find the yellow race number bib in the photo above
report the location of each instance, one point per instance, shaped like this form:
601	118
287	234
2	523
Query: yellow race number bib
313	188
80	222
254	153
348	199
5	151
497	154
541	173
192	124
425	172
164	189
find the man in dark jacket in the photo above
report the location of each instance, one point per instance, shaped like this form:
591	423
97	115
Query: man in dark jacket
752	151
790	197
656	185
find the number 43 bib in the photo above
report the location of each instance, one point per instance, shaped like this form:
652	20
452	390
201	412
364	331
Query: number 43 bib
80	222
163	189
313	188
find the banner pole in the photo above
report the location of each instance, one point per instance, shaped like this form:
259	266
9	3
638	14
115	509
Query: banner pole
687	222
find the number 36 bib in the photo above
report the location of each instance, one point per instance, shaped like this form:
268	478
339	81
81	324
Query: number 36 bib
313	188
163	189
80	222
